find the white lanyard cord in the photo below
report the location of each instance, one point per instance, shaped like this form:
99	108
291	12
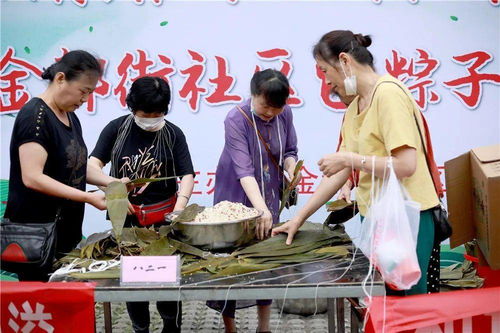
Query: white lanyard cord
260	155
281	162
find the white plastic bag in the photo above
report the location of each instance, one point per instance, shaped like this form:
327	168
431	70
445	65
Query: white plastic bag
390	230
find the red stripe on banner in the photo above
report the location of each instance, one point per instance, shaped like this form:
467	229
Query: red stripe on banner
47	307
425	311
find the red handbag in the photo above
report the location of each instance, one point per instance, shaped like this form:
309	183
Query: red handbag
154	213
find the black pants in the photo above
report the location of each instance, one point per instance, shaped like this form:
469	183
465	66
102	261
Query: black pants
139	314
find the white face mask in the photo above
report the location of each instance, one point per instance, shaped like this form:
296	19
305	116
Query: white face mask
150	124
350	83
252	108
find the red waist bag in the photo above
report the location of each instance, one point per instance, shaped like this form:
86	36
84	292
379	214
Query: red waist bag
154	213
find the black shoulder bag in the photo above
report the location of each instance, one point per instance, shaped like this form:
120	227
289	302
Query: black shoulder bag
27	245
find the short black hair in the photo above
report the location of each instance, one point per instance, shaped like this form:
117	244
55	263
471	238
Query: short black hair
271	84
150	94
73	64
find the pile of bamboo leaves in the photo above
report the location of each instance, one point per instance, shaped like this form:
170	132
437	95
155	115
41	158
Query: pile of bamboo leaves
312	242
461	275
458	276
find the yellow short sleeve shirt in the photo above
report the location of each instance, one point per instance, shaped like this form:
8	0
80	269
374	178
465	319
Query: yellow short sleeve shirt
387	124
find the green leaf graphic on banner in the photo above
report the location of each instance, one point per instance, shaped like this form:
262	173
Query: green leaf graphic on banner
454	18
27	50
91	28
4	195
164	23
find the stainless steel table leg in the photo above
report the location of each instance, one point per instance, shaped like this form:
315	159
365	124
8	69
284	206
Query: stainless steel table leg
340	315
354	320
108	325
331	314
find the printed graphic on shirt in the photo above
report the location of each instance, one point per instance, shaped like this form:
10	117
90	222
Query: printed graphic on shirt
144	164
76	158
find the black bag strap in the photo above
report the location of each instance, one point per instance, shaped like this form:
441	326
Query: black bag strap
57	217
58	213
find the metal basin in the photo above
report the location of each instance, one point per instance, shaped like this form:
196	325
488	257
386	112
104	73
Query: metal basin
215	235
303	306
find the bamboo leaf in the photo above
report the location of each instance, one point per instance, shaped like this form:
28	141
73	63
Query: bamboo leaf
129	236
476	282
336	250
210	265
165	230
87	251
296	173
338	205
160	247
145	236
117	204
140	181
293	183
275	251
112	273
242	268
291	259
189	213
186	248
304	238
96	237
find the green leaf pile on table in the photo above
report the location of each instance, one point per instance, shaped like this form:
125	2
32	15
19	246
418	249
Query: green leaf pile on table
313	242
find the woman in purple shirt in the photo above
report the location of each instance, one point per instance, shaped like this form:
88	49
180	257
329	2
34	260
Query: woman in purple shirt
247	173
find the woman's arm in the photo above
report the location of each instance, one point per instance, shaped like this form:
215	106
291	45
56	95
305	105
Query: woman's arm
345	191
95	176
32	157
252	191
404	161
326	189
185	191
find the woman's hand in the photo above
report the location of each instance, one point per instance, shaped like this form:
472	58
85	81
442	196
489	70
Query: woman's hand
291	227
131	209
97	199
126	181
345	192
264	225
332	163
290	172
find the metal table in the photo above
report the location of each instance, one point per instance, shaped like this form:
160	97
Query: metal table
331	279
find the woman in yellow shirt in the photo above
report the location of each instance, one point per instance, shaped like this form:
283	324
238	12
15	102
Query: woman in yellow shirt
381	121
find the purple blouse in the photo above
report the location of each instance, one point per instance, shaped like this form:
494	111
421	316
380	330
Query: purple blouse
240	157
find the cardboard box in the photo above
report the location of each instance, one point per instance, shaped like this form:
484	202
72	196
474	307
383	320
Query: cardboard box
473	196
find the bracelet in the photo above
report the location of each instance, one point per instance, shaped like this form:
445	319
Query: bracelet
363	162
184	196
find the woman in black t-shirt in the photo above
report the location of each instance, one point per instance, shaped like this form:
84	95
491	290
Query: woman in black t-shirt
48	157
145	145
